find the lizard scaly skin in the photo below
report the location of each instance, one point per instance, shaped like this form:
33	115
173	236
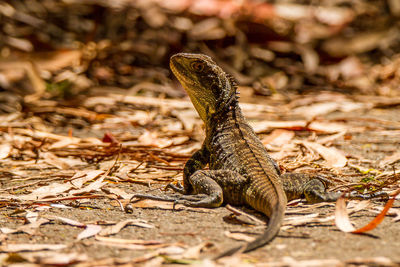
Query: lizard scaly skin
240	170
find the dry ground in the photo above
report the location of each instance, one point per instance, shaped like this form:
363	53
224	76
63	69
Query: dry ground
142	160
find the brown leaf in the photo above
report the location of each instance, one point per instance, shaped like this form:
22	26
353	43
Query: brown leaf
239	236
114	229
128	241
61	259
327	127
52	159
5	150
342	219
278	137
155	204
194	252
316	109
265	126
46	191
90	230
64	143
390	159
9	248
82	177
334	158
67	221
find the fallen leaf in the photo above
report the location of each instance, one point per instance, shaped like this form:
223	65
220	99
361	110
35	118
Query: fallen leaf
390	159
46	191
330	138
60	259
128	241
5	150
342	219
9	248
278	137
265	126
31	228
67	221
118	192
94	186
194	252
327	127
114	229
334	158
155	204
131	244
64	143
31	216
90	230
239	236
84	176
52	159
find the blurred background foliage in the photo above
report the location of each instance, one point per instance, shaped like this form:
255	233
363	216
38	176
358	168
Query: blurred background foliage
61	49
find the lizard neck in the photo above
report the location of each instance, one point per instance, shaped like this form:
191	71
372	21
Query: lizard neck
230	113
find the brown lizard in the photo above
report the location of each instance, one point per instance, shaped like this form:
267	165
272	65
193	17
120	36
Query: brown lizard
240	170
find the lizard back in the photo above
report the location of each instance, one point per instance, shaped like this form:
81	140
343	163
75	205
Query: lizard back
230	145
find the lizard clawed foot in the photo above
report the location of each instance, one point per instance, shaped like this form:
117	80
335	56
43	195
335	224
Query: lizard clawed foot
177	188
168	198
200	200
191	200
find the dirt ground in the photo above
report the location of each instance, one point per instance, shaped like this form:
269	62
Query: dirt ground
91	115
312	243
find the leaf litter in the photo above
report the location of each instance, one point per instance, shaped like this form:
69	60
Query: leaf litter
66	167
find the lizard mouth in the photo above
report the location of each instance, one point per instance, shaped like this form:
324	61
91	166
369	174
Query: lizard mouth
179	69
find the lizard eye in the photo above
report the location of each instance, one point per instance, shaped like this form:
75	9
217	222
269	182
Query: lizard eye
198	66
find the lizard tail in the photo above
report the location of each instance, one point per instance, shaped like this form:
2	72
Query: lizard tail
273	227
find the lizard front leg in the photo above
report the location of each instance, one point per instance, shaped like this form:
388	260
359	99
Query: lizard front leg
196	162
212	187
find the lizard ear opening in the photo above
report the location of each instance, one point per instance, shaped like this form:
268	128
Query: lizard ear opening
216	90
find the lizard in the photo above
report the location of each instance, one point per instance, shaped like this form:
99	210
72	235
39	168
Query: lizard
240	170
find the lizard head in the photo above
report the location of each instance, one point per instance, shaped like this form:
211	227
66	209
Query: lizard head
208	86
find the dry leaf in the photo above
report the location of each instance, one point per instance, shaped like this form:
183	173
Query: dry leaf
239	236
52	159
82	177
127	241
61	259
114	229
194	252
46	191
64	143
118	192
334	158
131	244
12	248
67	221
5	150
165	205
327	127
342	219
94	186
265	126
90	230
278	137
390	159
149	203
